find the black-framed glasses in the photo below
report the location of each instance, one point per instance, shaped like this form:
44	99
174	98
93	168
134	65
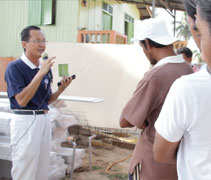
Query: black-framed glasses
37	41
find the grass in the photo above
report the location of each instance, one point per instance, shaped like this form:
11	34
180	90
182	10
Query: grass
119	176
97	167
116	176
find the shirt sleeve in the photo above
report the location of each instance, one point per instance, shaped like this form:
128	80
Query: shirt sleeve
142	103
15	80
171	123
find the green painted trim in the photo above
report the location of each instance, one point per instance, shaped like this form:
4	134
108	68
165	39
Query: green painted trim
47	12
34	12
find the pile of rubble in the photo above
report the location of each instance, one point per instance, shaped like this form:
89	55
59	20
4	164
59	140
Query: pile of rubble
62	160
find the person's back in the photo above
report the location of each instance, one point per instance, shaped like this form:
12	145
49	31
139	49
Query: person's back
144	107
160	80
183	127
188	103
195	148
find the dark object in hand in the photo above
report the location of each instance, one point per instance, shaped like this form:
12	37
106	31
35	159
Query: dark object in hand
73	77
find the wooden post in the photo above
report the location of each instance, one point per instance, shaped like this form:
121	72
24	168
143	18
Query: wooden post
153	8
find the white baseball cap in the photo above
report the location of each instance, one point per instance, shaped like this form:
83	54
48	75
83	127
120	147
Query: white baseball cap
156	30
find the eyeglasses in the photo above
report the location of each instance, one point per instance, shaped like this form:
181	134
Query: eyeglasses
37	41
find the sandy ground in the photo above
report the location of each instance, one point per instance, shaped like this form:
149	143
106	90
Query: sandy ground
101	159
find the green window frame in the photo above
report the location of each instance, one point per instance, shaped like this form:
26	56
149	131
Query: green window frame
107	16
41	12
129	27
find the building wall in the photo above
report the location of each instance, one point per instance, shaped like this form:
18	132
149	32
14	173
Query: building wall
65	29
90	17
119	14
107	71
70	16
14	17
87	15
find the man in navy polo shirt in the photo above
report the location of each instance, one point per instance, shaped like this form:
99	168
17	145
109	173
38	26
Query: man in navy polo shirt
29	91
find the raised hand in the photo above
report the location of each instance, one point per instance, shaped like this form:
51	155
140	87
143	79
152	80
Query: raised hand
46	65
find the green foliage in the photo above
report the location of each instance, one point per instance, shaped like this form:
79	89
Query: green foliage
182	28
197	56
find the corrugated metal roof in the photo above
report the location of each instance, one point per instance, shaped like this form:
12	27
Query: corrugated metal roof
169	5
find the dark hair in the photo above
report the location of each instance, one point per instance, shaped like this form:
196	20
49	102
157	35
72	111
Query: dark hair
205	11
151	43
188	53
25	33
190	6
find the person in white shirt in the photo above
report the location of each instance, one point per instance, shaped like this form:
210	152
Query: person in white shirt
183	126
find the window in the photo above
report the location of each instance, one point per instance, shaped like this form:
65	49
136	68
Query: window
129	27
108	8
41	12
107	16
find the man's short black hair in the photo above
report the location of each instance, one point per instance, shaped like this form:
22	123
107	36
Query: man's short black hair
152	43
25	33
185	50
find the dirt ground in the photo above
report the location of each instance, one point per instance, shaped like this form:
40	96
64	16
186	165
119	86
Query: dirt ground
111	154
101	159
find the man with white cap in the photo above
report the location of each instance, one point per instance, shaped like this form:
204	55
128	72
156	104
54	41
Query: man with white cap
144	107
